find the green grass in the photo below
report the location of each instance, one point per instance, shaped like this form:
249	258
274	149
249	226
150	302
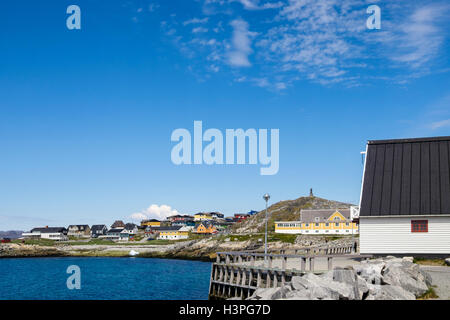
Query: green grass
429	262
288	238
39	242
429	294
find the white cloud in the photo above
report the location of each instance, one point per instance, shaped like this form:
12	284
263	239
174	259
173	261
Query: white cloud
195	21
241	44
154	212
199	30
254	4
321	41
440	124
414	40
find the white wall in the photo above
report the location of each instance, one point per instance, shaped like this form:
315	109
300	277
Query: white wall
393	235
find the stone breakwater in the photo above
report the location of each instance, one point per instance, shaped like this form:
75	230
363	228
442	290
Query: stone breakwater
204	249
24	251
387	278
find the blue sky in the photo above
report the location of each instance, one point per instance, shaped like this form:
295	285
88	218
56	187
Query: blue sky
87	115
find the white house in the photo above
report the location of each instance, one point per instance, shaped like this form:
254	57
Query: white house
51	233
405	197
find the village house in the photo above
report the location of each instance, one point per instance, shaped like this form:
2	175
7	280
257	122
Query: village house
118	224
205	227
51	233
239	217
115	234
327	221
79	230
184	223
98	230
180	218
216	215
151	223
173	233
405	197
129	231
151	232
202	216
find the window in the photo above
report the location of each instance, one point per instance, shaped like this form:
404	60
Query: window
317	224
317	218
419	225
336	224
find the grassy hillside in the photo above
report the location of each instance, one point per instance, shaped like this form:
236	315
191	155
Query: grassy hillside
288	210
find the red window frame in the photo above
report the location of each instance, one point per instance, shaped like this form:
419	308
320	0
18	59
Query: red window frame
419	226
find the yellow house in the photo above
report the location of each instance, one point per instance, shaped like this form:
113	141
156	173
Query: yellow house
327	221
151	223
173	233
201	216
205	228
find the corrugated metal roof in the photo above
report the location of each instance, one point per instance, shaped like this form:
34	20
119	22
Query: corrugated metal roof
407	177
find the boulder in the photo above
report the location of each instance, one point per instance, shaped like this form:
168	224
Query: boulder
263	294
299	283
388	292
280	293
299	295
409	259
344	275
407	276
330	289
270	293
363	288
370	272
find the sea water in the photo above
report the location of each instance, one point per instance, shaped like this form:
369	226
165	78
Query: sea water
104	278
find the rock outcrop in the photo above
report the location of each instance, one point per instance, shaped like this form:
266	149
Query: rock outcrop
389	278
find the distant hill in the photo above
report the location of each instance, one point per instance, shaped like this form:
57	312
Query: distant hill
12	234
287	210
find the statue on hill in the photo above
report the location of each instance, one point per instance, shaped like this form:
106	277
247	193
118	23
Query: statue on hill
311	193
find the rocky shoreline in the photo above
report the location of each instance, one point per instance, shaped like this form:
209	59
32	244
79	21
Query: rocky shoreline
387	278
203	250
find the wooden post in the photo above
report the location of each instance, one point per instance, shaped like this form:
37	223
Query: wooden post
258	279
250	279
232	275
238	279
252	261
302	264
244	276
311	264
268	280
283	278
270	261
227	259
275	279
218	258
330	263
284	263
226	275
216	273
